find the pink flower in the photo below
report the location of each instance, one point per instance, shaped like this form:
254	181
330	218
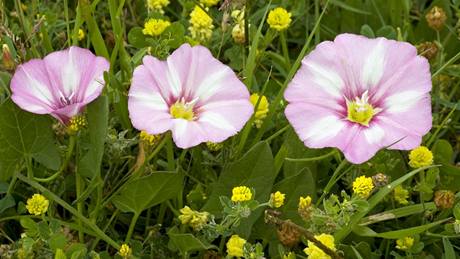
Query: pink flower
192	94
61	84
361	95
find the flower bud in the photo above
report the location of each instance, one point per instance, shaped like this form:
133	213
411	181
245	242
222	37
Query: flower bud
8	61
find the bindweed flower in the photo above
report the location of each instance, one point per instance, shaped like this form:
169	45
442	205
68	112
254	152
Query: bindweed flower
401	195
444	199
436	18
279	19
241	193
81	34
61	84
363	186
209	2
361	95
262	109
420	157
125	251
155	27
157	5
277	199
315	252
200	24
37	204
192	94
405	243
193	218
235	246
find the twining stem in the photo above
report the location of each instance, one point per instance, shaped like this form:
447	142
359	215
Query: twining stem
70	149
50	195
131	227
335	177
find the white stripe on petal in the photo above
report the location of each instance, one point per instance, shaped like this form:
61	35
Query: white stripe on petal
38	89
154	101
327	127
327	78
374	66
211	84
217	121
174	81
374	134
403	101
70	76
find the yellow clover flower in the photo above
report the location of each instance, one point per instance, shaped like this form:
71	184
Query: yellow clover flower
363	186
315	252
155	27
277	199
76	124
209	2
235	246
125	251
200	24
405	243
148	139
195	219
157	5
279	19
420	157
241	193
214	146
37	204
401	195
262	109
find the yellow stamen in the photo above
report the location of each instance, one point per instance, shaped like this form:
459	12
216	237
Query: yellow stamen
360	111
182	110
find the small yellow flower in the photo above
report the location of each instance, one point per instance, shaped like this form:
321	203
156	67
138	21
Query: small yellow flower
401	195
420	157
262	108
157	5
76	124
241	193
279	19
277	199
315	252
214	146
155	27
238	33
148	139
405	243
363	186
125	251
235	246
290	255
81	34
200	24
304	203
37	205
209	2
195	219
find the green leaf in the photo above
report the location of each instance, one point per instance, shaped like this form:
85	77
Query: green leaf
398	213
137	38
6	202
30	226
187	242
98	116
22	135
57	241
148	191
449	252
366	231
387	32
442	151
367	31
255	170
175	34
347	7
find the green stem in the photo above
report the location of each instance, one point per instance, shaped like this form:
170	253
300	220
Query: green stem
285	48
50	195
309	159
170	152
335	177
69	153
78	188
131	227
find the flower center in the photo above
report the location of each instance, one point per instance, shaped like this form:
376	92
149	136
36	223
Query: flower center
360	111
182	110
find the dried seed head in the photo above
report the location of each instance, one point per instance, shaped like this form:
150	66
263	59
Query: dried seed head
436	18
444	199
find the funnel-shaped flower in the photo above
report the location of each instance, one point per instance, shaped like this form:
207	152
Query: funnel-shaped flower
361	95
61	84
192	94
